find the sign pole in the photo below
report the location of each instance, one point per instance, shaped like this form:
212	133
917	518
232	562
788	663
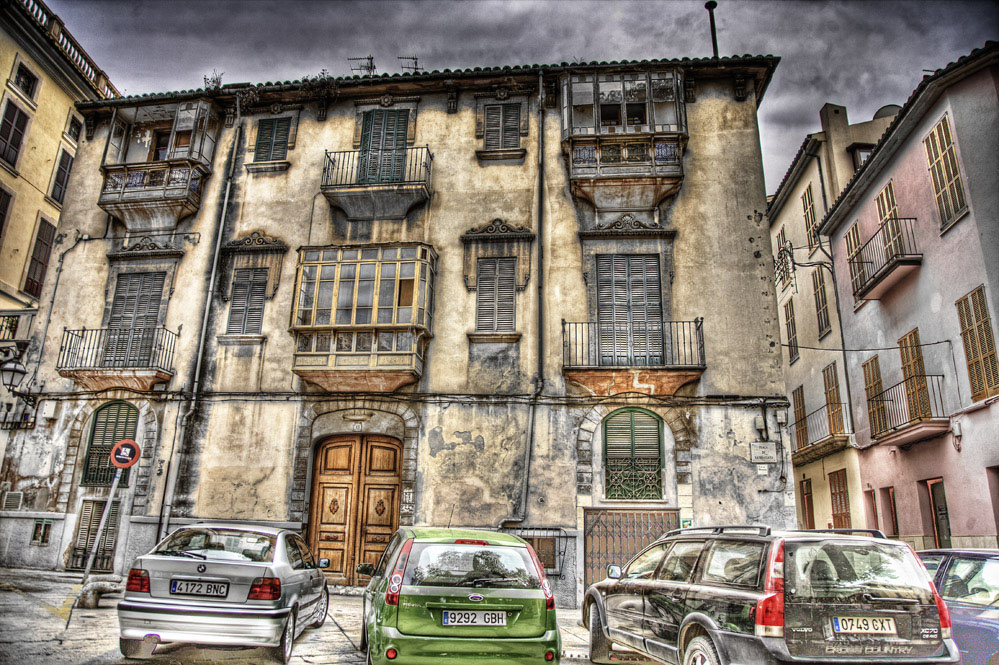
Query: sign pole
100	529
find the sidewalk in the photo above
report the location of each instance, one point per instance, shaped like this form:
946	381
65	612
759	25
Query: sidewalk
34	606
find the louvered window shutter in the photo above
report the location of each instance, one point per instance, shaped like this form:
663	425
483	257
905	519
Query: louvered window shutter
505	293
496	294
502	126
112	423
511	126
632	434
90	521
279	145
246	308
645	430
4	207
265	135
39	259
12	133
494	127
617	436
485	292
62	176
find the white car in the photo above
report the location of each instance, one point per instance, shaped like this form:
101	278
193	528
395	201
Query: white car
223	584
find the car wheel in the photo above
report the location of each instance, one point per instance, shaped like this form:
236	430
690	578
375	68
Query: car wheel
135	648
701	651
322	607
599	644
282	652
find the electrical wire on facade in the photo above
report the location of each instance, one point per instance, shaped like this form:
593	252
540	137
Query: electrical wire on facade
873	348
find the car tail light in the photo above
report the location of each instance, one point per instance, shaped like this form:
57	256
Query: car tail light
464	541
138	580
395	581
265	588
944	612
545	584
549	655
769	611
391	653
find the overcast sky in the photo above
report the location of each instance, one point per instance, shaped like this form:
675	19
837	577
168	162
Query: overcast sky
862	54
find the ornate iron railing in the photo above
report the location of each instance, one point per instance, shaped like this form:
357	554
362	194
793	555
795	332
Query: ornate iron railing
633	478
117	348
404	166
652	344
894	241
819	425
913	400
165	179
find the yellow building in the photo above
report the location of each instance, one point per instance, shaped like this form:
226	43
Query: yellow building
44	73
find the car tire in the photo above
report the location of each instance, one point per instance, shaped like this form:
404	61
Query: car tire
322	607
137	649
701	651
282	652
599	644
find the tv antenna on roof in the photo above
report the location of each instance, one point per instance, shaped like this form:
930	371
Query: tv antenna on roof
366	65
415	67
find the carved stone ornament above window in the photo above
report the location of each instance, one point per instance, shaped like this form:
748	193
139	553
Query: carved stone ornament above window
148	247
739	87
253	251
629	222
627	225
497	239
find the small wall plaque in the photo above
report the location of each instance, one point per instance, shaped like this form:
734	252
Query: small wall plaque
763	452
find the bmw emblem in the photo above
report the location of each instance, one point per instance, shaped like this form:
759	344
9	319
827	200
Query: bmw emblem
475	597
201	568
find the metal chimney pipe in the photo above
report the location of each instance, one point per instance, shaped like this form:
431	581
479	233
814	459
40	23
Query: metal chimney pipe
710	6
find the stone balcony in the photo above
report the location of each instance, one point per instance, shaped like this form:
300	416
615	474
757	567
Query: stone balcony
377	184
820	433
360	360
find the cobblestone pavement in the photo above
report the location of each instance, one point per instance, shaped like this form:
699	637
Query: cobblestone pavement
34	606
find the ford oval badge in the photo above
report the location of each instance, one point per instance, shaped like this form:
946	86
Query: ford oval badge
201	568
475	597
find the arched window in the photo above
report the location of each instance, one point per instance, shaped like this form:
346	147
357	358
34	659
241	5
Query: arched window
111	423
633	455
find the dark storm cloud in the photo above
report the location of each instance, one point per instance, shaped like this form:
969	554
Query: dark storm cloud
859	54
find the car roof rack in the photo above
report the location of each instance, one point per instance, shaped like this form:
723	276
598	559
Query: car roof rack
876	533
759	529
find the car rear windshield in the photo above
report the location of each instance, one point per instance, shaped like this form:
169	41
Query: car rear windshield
226	544
839	571
478	566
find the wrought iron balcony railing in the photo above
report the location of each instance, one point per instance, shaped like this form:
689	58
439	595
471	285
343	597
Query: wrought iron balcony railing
658	344
911	401
819	425
170	178
892	245
352	168
117	348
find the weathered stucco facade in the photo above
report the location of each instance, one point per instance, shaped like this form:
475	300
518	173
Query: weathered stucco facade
574	324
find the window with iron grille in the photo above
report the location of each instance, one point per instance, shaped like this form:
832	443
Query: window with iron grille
821	303
111	423
632	455
840	499
272	139
877	411
495	294
39	259
858	272
502	126
942	159
834	404
246	304
792	331
800	421
811	225
12	128
979	344
62	176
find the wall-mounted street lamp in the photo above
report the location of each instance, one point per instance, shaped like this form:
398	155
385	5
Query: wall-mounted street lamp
12	372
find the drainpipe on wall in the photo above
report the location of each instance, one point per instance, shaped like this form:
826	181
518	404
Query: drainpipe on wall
539	384
172	467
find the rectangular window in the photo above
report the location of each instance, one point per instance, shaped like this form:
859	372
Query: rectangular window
807	508
39	259
75	128
800	421
12	128
840	499
792	332
272	139
246	305
5	200
891	227
495	294
858	271
876	408
502	126
384	135
26	81
811	225
783	268
62	176
979	344
942	159
42	532
734	562
834	405
821	302
917	394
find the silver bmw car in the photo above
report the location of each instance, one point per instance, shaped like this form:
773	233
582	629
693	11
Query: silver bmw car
223	584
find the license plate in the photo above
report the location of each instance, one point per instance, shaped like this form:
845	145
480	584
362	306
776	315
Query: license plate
871	625
474	618
188	588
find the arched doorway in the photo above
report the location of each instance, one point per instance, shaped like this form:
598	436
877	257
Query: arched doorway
355	502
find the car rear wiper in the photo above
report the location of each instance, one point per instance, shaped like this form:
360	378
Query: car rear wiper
190	555
494	579
888	599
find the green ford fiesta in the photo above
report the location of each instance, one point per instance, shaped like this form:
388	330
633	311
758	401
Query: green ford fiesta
458	595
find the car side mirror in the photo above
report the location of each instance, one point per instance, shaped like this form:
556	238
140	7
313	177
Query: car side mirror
323	563
365	569
614	572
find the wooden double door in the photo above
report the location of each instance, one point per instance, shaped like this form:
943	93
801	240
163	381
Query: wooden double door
355	502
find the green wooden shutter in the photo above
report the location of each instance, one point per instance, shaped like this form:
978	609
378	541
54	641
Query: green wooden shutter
511	126
632	456
506	293
62	176
246	308
135	313
5	199
111	424
629	310
265	138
